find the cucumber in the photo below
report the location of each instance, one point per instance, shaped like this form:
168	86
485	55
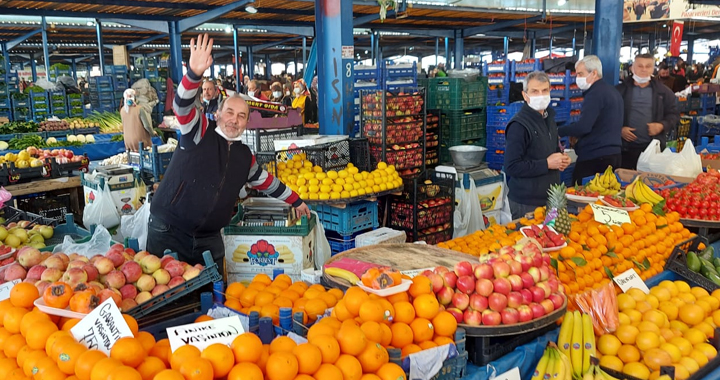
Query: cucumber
693	262
714	277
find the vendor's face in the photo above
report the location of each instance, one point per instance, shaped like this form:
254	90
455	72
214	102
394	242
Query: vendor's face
582	72
233	117
643	67
536	88
209	91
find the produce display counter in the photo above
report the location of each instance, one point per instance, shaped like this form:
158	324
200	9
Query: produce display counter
101	149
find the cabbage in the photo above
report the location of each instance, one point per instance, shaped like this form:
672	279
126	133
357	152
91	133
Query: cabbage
51	140
80	138
89	139
4	145
72	138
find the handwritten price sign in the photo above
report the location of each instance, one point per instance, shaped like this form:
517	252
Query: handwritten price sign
101	328
609	215
203	334
631	279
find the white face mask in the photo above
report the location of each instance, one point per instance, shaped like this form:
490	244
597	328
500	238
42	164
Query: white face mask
582	83
297	90
276	94
287	93
221	133
641	80
539	103
251	93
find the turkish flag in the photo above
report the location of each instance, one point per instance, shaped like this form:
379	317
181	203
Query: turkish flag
677	32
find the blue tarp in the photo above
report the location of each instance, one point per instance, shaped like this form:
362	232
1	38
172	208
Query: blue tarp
102	148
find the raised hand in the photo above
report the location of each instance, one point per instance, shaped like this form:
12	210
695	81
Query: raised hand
200	54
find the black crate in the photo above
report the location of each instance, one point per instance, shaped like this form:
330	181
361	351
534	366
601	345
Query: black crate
332	156
483	350
262	140
53	207
677	263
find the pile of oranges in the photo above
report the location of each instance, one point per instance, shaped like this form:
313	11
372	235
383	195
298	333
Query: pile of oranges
668	327
267	296
484	242
594	249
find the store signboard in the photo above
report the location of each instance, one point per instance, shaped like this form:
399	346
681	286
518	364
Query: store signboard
101	328
5	289
639	11
203	334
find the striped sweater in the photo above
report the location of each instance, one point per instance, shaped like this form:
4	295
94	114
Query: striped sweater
193	127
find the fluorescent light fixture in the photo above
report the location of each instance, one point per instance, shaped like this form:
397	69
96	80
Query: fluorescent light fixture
90	23
250	9
228	29
561	3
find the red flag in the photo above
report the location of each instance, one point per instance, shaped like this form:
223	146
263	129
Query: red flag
677	32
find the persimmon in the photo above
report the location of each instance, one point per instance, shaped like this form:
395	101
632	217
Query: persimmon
84	301
58	295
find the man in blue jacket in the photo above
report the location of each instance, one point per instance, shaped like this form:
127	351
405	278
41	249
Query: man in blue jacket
533	160
598	132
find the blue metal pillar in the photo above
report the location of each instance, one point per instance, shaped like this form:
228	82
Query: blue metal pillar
574	46
608	28
551	46
334	33
506	47
690	50
437	50
651	43
46	52
212	70
372	47
74	69
250	63
459	50
377	48
236	49
176	72
98	31
447	53
268	66
33	68
304	54
533	44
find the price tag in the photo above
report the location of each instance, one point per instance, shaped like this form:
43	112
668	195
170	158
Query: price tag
347	52
102	327
414	272
5	289
206	333
513	374
610	215
631	279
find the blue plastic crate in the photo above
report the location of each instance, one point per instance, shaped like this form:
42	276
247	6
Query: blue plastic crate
528	67
498	95
501	115
367	72
562	110
151	74
496	140
576	105
340	243
4	103
399	71
118	69
497	67
358	216
20	103
566	79
495	158
576	92
567	174
104	79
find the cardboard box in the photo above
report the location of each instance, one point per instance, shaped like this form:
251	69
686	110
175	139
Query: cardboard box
713	164
490	193
249	255
125	194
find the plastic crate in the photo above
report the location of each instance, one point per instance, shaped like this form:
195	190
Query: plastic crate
302	229
495	158
677	263
498	67
261	140
432	238
340	243
154	162
69	228
426	204
367	72
12	214
53	207
576	105
382	235
496	140
460	94
562	110
358	216
501	115
528	67
567	175
332	156
501	94
483	350
459	125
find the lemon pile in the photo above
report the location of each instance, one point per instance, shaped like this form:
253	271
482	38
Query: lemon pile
311	182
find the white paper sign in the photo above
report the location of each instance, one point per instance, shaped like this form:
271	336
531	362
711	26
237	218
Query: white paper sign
102	327
347	52
203	334
5	289
610	215
630	279
220	311
513	374
414	272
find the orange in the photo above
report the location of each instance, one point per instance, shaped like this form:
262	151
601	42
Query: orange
341	312
204	318
403	296
428	344
410	349
68	356
373	357
49	373
282	366
611	362
337	293
350	367
247	348
244	371
103	368
38	335
655	358
30	360
426	306
197	369
85	363
264	298
691	314
370	376
627	333
247	298
35	366
132	323
13	345
235	290
309	358
6	365
169	374
608	344
146	339
264	355
315	307
351	338
150	367
221	358
124	373
404	312
321	329
23	295
328	372
628	353
69	324
402	335
387	335
372	311
161	351
329	347
391	371
442	340
181	355
637	370
421	285
262	278
422	330
444	324
12	319
30	319
354	298
373	331
282	344
128	351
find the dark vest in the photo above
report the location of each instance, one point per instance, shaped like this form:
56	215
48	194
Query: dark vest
201	184
209	110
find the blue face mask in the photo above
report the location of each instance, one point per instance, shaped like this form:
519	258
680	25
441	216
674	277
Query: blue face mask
129	102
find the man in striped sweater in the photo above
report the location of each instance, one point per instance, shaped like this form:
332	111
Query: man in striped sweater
196	197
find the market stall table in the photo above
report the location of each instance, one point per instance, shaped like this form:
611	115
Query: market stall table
101	149
70	184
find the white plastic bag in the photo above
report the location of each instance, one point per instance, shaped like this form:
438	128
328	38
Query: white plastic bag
686	163
102	212
322	246
136	225
468	215
98	244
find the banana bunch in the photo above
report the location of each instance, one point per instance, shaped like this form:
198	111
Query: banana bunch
607	184
642	193
553	365
596	373
576	340
346	275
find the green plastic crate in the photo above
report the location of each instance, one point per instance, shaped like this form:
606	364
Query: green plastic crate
445	147
302	229
458	93
460	125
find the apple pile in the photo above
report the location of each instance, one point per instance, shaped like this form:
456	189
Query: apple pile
19	234
401	104
61	156
397	130
514	285
433	235
430	213
405	157
127	277
546	236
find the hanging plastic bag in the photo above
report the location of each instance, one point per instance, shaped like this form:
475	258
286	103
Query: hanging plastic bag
4	196
140	194
136	226
322	246
98	244
468	215
102	212
686	163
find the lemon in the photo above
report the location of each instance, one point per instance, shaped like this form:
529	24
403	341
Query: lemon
313	182
320	176
314	196
317	169
349	180
365	175
361	191
363	183
341	173
332	174
350	165
325	189
303	195
383	187
354	193
376	188
313	189
345	194
293	178
369	190
303	189
297	165
356	186
309	176
324	196
353	170
348	187
382	165
301	181
327	181
340	181
307	164
337	188
304	171
297	157
281	165
334	195
390	169
370	182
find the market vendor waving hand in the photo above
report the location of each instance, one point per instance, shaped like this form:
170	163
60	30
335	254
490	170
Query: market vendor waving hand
196	197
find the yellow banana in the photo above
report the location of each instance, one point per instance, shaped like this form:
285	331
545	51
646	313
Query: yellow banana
344	274
564	371
552	364
542	366
576	348
565	335
589	342
606	376
652	195
593	374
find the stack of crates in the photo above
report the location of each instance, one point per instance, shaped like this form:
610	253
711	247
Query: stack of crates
497	120
39	105
396	77
365	78
102	97
160	86
704	105
75	105
119	74
564	85
343	225
56	72
58	104
5	91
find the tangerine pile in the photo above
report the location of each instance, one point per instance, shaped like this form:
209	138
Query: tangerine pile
594	248
267	296
483	242
668	327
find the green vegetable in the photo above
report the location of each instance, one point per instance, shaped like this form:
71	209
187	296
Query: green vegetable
60	66
119	137
714	277
34	89
26	141
18	126
693	262
19	96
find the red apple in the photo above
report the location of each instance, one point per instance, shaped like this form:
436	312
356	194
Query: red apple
445	295
516	282
509	316
491	318
548	306
527	280
545	287
506	250
437	281
515	299
92	272
501	269
457	313
116	257
466	284
538	294
478	302
525	313
515	267
497	301
132	271
502	286
128	291
557	299
527	296
450	279
472	317
537	310
535	274
484	271
544	273
461	301
554	284
440	270
463	268
484	287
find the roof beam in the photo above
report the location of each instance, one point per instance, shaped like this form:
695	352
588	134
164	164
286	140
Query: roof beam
119	16
297	30
216	12
469	32
267	22
144	41
17	41
137	3
157	26
273	44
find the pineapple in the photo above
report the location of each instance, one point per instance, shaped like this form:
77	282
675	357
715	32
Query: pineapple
556	200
